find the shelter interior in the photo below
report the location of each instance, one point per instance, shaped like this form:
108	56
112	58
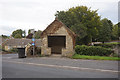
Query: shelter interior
56	43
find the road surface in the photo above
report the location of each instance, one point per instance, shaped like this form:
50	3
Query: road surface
48	67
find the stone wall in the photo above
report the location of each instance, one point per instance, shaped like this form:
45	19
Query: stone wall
116	49
7	48
68	51
45	50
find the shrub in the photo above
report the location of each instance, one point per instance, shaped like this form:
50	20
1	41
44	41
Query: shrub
38	50
93	50
13	50
30	50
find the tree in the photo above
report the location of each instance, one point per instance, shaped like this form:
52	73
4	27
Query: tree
37	34
118	29
16	32
17	36
29	31
80	30
4	36
19	33
115	32
86	19
105	31
24	33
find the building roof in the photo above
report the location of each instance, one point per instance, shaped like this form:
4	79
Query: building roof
2	40
54	26
38	42
21	42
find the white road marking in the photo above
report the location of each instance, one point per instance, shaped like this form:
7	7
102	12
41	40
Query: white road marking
69	67
7	57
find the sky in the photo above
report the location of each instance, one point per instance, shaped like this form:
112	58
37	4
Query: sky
38	14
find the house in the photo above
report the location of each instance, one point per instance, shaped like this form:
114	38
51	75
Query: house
57	38
30	35
19	43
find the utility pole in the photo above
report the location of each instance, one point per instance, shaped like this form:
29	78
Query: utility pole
33	43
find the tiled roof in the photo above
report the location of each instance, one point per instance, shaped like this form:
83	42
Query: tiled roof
21	42
54	26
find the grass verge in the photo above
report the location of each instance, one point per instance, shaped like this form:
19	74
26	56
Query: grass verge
77	56
113	43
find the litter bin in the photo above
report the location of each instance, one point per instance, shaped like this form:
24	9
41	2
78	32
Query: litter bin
21	53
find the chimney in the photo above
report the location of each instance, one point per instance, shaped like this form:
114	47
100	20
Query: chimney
56	18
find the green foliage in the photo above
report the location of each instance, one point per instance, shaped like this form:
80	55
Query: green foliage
29	31
17	33
82	20
4	36
77	56
115	32
114	43
14	50
115	55
84	41
87	39
24	33
38	50
17	36
118	29
80	30
37	34
92	50
105	31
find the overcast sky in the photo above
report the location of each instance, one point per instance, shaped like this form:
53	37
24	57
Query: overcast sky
38	14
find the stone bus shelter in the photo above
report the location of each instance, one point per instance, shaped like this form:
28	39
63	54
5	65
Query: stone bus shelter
57	38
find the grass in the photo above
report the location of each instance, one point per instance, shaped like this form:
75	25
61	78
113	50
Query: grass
77	56
113	43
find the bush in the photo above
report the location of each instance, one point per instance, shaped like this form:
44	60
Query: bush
92	50
13	50
38	50
30	50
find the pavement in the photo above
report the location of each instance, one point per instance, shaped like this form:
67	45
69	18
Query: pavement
57	67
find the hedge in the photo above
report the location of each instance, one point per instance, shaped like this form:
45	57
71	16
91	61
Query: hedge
92	50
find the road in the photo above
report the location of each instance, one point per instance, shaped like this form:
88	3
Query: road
48	67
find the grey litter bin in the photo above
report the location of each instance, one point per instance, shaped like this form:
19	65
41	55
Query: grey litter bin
21	53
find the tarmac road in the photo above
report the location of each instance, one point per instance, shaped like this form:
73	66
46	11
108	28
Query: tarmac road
57	68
